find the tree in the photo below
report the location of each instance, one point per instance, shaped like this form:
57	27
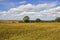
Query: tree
38	20
57	19
26	19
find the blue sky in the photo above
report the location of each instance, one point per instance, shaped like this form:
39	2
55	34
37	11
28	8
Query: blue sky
7	4
17	9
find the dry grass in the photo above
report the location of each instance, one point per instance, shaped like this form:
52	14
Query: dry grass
30	31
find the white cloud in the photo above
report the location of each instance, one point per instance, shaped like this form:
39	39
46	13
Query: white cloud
22	2
30	10
27	7
52	12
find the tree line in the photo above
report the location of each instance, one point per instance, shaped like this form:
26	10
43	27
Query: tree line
27	19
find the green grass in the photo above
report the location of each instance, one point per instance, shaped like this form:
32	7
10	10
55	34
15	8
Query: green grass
30	31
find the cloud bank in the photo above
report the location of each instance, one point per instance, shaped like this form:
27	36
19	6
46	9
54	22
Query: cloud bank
43	11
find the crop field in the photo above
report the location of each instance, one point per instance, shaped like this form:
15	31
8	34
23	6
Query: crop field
30	31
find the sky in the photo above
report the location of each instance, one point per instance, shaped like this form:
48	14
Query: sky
17	9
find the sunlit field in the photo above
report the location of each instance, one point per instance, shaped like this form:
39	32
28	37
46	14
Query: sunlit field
30	31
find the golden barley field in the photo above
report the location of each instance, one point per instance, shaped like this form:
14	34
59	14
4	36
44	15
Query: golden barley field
30	31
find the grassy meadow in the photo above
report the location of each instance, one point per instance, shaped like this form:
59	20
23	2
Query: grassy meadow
30	31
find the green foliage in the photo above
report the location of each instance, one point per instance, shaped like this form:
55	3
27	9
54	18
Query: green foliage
38	20
26	19
57	19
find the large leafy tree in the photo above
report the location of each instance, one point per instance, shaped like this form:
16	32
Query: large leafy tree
38	20
26	19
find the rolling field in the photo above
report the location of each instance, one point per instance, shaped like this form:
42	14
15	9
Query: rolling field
30	31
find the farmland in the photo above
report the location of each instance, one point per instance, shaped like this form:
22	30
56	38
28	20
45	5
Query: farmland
30	31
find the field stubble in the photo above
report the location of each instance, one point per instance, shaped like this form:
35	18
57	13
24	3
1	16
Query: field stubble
30	31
